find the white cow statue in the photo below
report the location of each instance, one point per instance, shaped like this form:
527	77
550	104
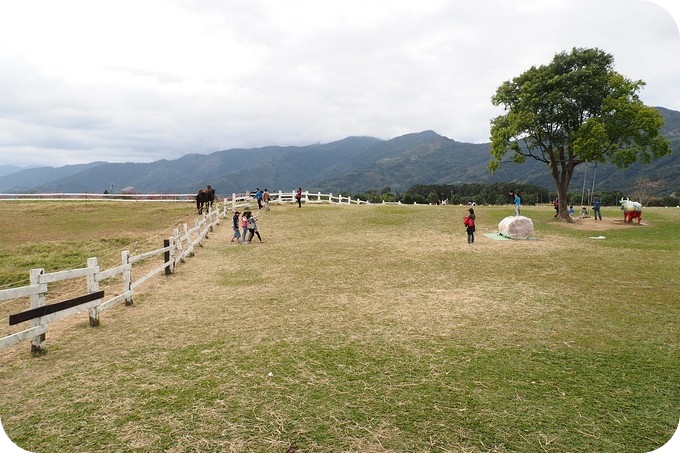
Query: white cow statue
631	210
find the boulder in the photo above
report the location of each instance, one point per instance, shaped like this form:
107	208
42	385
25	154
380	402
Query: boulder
516	227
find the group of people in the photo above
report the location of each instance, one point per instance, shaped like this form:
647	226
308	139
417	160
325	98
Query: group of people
597	204
245	227
244	224
263	198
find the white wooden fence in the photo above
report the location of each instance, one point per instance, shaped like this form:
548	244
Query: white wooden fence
241	199
175	249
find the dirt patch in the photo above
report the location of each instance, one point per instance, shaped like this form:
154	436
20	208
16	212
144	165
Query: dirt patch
590	224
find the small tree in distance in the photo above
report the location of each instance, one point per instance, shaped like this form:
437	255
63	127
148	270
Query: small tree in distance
574	110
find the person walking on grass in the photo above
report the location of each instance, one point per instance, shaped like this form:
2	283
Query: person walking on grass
252	227
469	221
266	198
298	196
235	227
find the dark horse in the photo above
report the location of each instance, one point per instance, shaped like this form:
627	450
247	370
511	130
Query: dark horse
205	197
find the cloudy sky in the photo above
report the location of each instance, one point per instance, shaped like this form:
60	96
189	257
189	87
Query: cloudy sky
143	80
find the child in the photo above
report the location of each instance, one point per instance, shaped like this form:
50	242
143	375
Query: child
252	228
244	225
469	221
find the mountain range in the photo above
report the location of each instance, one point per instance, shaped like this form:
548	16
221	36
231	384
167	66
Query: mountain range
351	165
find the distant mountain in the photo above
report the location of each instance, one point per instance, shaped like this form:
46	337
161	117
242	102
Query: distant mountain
27	180
9	169
351	165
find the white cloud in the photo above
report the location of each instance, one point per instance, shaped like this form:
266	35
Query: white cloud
141	81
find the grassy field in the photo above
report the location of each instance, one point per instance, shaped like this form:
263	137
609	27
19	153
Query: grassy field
354	328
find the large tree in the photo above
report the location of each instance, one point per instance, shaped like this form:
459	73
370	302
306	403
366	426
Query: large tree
574	110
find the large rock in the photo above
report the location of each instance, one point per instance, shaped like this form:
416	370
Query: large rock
516	227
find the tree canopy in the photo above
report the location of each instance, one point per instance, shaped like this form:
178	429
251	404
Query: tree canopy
574	110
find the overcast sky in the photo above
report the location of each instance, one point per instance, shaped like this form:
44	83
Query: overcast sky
143	80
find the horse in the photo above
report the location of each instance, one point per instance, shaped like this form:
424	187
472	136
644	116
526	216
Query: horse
205	197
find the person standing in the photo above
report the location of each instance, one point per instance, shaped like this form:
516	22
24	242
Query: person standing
266	198
258	197
597	203
235	227
244	225
252	227
518	202
469	221
298	196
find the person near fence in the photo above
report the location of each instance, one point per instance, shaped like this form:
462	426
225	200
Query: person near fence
258	197
266	198
298	196
244	225
252	227
236	227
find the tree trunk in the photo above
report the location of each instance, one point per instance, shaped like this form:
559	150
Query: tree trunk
562	179
563	202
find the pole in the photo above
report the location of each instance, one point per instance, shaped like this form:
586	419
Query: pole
592	189
585	172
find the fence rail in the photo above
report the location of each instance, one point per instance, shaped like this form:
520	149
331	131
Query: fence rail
234	199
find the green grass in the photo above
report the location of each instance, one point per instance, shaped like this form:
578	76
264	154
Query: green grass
382	331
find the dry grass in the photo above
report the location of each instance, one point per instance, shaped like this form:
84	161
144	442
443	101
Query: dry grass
373	328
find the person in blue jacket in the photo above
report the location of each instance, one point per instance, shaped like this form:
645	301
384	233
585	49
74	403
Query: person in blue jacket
518	202
258	197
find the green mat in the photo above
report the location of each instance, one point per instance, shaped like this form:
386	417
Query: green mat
497	237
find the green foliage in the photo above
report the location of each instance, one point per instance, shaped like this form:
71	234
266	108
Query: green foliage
576	109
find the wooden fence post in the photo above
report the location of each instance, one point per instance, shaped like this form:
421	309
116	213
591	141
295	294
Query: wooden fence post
93	287
178	243
169	255
127	276
190	244
37	300
200	233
